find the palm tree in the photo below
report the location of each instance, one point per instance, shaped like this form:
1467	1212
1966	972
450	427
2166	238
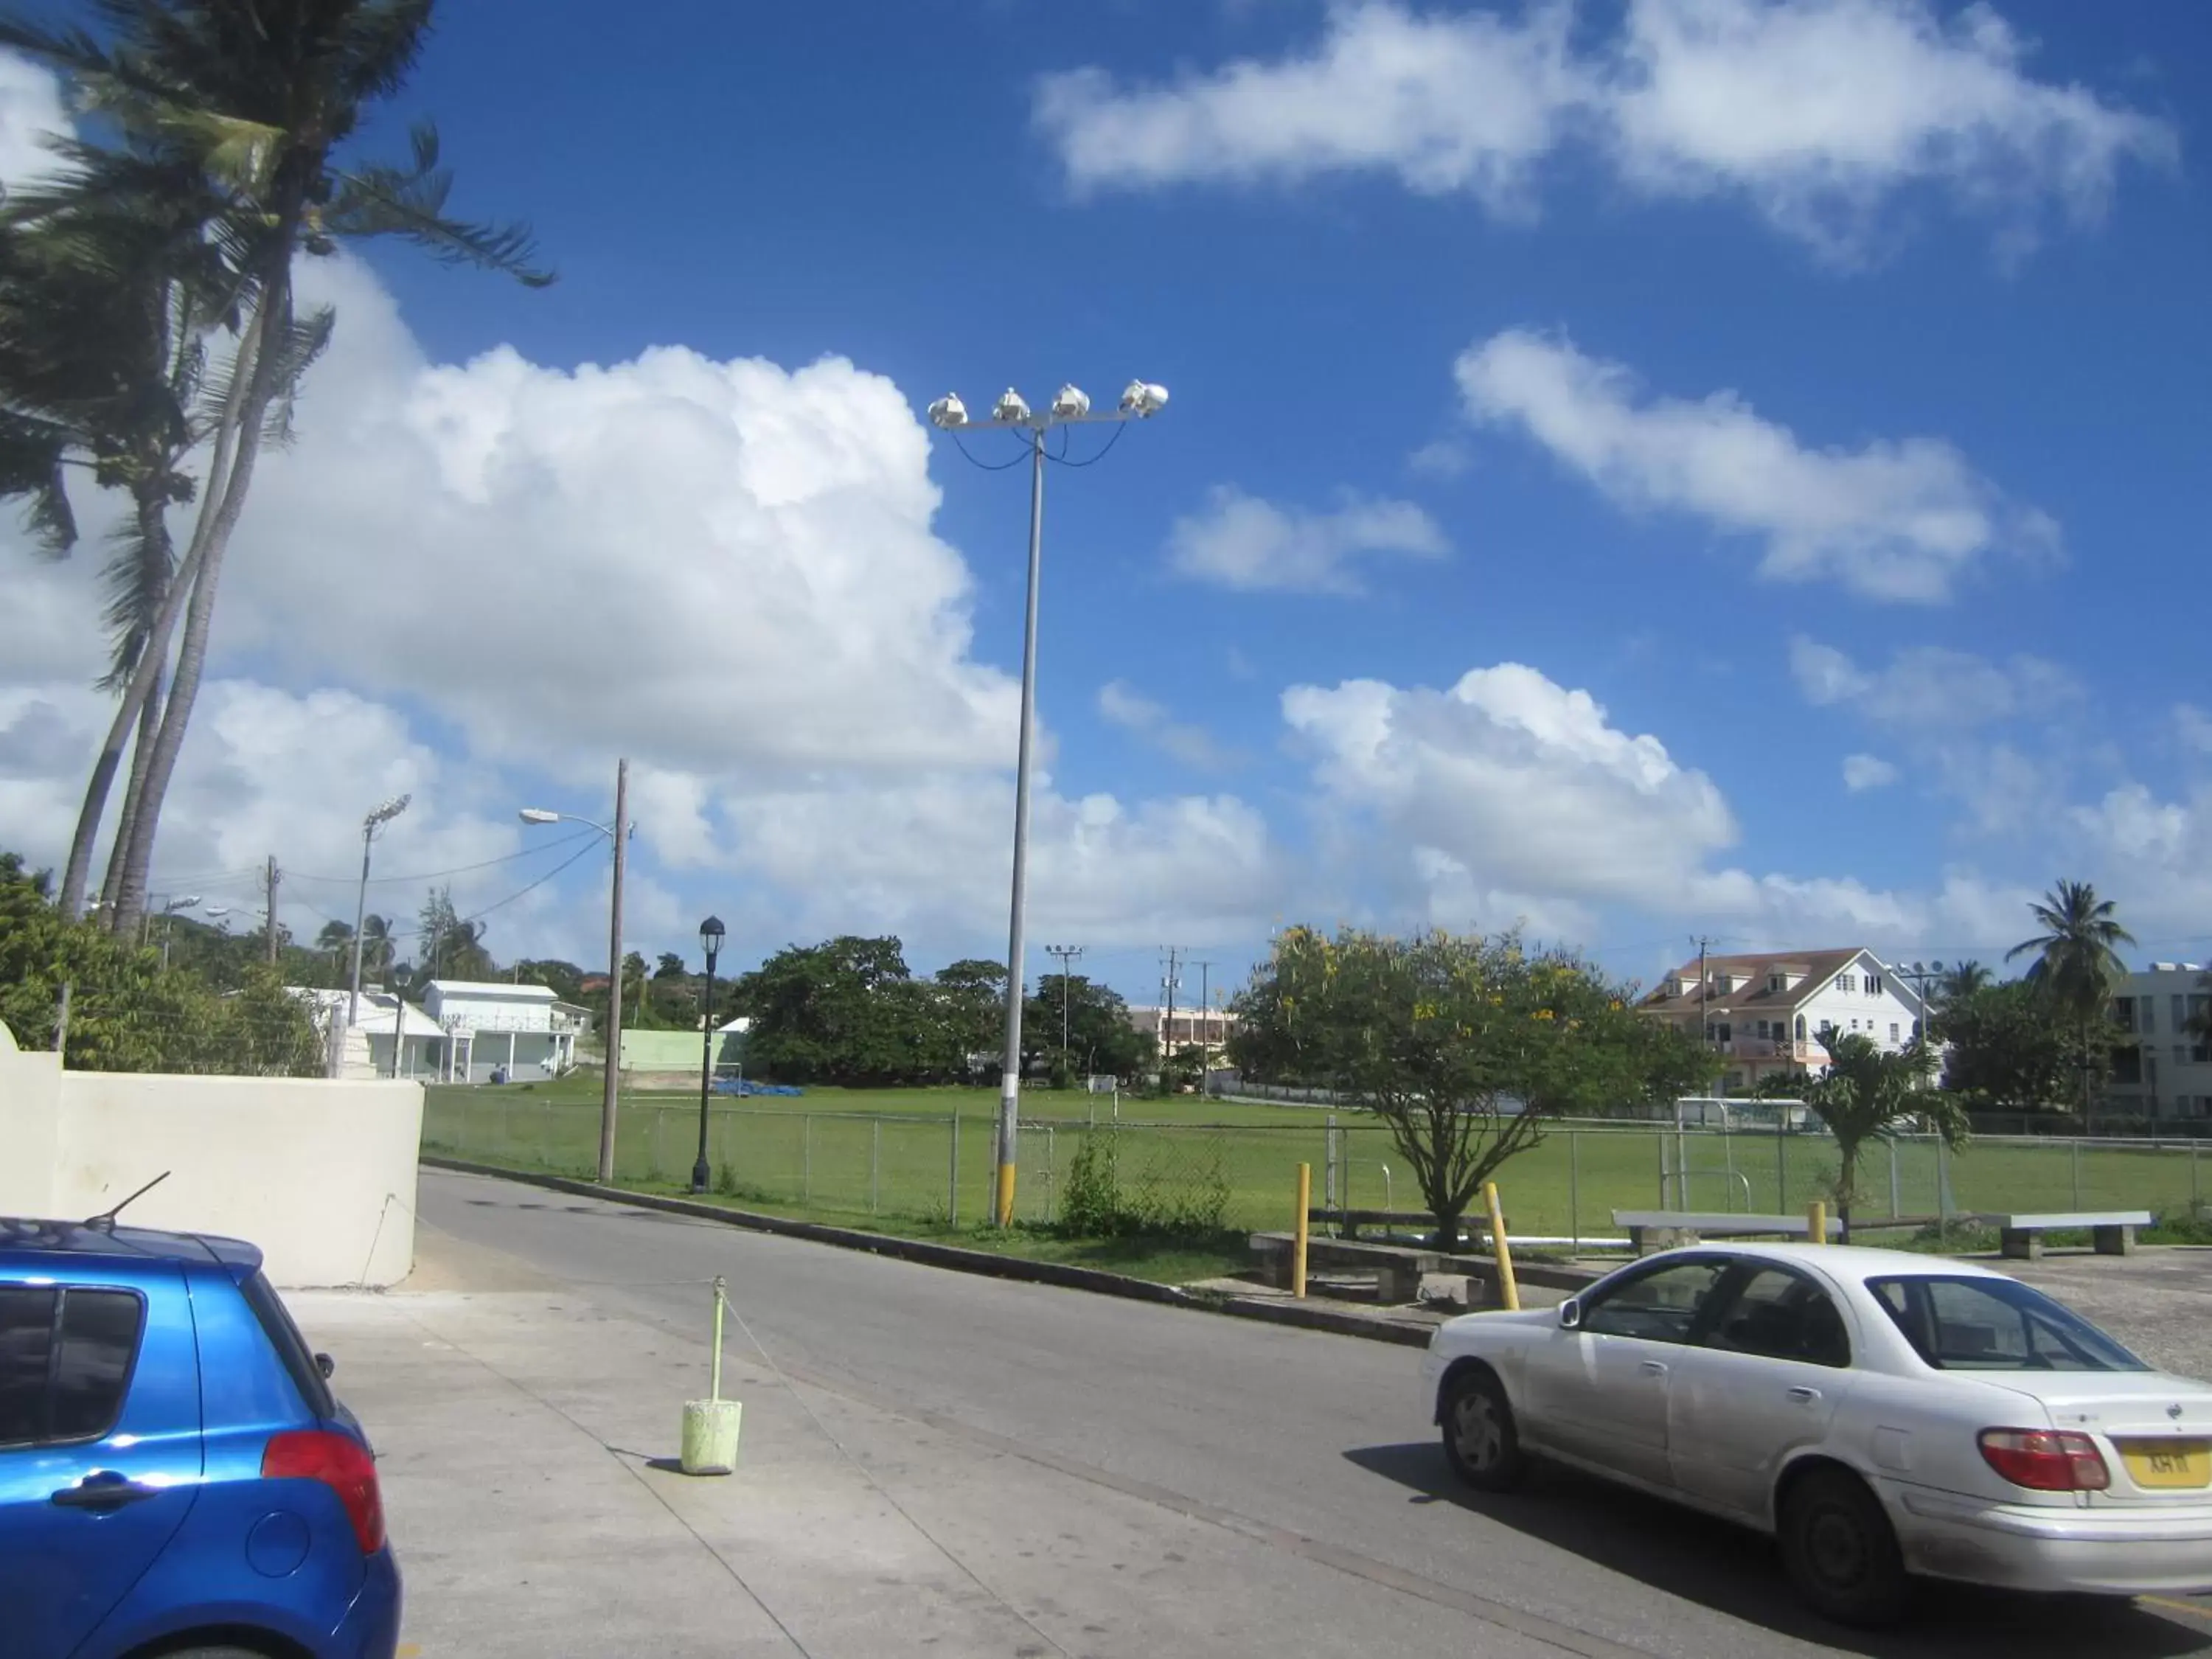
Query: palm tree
256	97
1959	981
377	946
2077	962
1866	1095
336	938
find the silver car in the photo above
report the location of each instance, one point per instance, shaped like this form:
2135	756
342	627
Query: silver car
1883	1415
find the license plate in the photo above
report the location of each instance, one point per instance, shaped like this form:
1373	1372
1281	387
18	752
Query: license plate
2168	1464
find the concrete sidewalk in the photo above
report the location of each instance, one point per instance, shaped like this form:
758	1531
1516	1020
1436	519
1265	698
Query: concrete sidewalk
524	1433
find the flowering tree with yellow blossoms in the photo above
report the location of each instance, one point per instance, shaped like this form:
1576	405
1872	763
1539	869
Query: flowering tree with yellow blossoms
1465	1045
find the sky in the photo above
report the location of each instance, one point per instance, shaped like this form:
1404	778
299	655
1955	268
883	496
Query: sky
1636	471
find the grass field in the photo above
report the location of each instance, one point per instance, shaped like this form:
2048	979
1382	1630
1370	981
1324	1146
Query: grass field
893	1156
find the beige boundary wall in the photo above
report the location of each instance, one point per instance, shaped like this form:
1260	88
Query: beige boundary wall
320	1175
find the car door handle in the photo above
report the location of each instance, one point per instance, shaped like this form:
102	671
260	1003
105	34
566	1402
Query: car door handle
1804	1396
1653	1367
104	1491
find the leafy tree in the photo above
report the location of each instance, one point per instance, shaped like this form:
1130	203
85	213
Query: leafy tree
670	966
967	1016
252	101
2077	964
2007	1048
1868	1095
564	979
1101	1040
336	938
1465	1047
833	1012
1961	980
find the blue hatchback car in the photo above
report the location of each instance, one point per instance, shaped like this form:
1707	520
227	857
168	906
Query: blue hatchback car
176	1476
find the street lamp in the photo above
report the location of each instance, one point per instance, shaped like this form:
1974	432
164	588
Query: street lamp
619	834
383	815
1140	401
710	942
1921	973
168	909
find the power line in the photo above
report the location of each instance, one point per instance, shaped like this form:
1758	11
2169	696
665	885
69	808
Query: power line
461	869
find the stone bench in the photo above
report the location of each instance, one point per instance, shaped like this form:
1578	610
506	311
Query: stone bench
2020	1237
1397	1267
1688	1226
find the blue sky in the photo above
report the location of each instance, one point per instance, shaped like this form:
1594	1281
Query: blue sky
1792	415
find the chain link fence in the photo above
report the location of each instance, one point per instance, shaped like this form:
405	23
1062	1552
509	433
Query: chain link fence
853	1167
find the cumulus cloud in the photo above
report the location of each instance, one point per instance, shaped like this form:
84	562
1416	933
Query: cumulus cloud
1865	772
31	111
1931	688
1120	704
1899	519
2193	727
1241	542
1815	112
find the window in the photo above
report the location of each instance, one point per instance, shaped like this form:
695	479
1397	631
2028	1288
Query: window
291	1347
2180	1012
1893	1030
1993	1324
1659	1306
2147	1008
66	1359
2124	1013
1779	1316
1774	983
1801	1028
1874	985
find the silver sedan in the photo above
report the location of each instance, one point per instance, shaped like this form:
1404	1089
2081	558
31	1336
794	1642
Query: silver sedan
1884	1415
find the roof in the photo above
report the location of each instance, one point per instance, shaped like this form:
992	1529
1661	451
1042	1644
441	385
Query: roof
1817	967
376	1014
25	1235
493	987
1842	1260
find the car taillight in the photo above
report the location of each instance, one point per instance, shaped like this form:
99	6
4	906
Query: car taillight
2046	1460
340	1463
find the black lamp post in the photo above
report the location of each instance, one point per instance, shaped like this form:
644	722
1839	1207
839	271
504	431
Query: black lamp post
710	941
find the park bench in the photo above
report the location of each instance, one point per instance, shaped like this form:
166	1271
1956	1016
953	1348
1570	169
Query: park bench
1688	1226
2020	1237
1397	1267
1352	1220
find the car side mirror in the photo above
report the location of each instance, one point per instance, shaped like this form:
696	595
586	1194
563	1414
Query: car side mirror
1570	1314
326	1364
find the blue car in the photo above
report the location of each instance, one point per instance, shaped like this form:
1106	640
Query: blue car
176	1476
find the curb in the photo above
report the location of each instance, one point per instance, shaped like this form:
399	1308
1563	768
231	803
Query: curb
1061	1274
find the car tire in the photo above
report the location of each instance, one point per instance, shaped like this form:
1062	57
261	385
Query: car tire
1840	1551
1481	1441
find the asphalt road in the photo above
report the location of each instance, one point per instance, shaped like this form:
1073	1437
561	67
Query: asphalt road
1314	1445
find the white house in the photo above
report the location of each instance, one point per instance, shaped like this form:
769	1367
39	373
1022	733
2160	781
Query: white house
517	1031
1764	1014
2168	1072
365	1048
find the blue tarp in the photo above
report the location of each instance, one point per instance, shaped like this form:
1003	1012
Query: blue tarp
738	1086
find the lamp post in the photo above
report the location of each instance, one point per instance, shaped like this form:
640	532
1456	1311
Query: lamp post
619	834
710	942
384	814
1140	401
169	909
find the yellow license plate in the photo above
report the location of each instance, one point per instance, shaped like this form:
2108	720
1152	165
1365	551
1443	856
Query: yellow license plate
2153	1464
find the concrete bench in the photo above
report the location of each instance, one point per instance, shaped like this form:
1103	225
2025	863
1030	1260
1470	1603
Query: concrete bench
1688	1226
1397	1267
2020	1237
1352	1220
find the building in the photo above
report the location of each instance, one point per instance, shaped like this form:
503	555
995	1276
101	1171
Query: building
365	1048
2166	1070
1763	1014
1191	1027
488	1026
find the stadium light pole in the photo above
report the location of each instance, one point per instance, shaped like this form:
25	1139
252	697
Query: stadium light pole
383	815
619	833
1140	401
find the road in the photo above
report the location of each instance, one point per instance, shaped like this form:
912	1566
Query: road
1304	1457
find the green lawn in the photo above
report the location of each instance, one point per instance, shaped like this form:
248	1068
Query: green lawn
887	1158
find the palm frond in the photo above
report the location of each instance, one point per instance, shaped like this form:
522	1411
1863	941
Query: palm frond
305	339
33	453
142	563
382	200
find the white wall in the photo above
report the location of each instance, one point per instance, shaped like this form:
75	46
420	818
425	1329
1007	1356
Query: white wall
320	1175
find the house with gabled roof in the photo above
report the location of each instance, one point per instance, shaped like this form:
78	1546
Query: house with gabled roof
1764	1014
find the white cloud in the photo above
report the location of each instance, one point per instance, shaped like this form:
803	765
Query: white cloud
1929	687
1864	772
1817	112
31	110
1893	520
1442	458
2193	727
1243	542
1122	705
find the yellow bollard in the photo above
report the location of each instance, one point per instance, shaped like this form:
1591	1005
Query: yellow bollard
1509	1289
1298	1231
1816	1222
1004	1209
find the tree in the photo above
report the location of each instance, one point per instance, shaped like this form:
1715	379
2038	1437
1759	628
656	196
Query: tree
2007	1048
2077	964
670	966
834	1012
336	938
448	945
253	101
1101	1040
968	1015
1465	1047
1866	1095
1961	980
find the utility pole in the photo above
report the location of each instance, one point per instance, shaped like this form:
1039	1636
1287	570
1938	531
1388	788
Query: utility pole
1205	1023
268	886
1704	996
1066	954
1169	982
611	1087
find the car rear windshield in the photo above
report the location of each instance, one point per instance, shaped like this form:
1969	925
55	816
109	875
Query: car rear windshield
291	1347
1958	1323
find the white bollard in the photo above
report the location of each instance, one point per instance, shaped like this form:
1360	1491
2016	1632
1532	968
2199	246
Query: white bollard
710	1425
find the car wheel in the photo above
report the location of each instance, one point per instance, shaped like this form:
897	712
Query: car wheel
1480	1441
1840	1551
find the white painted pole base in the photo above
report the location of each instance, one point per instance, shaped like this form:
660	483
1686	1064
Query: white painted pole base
710	1435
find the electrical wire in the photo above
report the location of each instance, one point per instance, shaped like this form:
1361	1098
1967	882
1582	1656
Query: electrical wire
1104	449
457	870
989	466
